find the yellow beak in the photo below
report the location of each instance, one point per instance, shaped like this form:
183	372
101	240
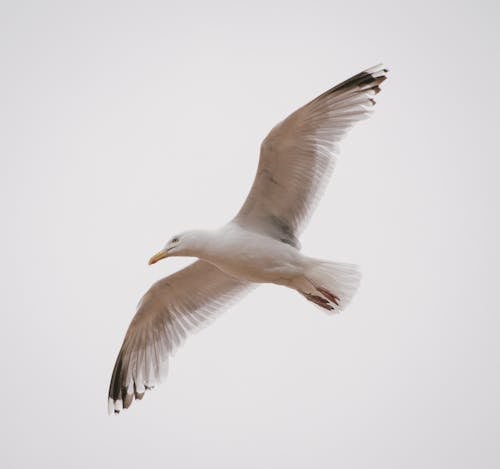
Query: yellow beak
158	257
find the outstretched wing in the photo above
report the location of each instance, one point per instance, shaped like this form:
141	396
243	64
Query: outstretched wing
169	310
298	156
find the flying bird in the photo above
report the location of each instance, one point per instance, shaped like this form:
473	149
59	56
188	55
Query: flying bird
260	245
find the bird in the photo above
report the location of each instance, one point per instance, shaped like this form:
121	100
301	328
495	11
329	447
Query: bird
259	245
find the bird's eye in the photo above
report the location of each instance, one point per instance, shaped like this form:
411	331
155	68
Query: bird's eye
175	240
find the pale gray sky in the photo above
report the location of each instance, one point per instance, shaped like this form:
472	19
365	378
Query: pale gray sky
125	122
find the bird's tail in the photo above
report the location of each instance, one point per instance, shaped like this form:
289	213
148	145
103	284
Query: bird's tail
329	285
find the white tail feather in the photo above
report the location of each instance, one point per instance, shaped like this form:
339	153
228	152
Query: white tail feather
330	285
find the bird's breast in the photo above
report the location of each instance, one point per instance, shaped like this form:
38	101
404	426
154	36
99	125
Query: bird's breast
257	259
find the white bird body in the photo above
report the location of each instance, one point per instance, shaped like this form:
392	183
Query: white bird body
251	256
260	245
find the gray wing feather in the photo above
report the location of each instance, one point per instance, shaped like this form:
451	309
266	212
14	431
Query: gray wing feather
298	156
172	307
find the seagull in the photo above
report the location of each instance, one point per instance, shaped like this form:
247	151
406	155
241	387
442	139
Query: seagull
259	245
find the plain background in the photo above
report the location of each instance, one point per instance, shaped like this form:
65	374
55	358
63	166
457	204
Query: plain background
124	123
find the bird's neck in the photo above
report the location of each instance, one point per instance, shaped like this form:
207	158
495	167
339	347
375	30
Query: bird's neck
199	243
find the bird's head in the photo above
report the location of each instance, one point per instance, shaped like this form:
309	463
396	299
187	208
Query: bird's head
188	243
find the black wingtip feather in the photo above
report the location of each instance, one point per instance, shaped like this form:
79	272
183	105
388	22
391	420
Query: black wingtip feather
115	387
366	80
